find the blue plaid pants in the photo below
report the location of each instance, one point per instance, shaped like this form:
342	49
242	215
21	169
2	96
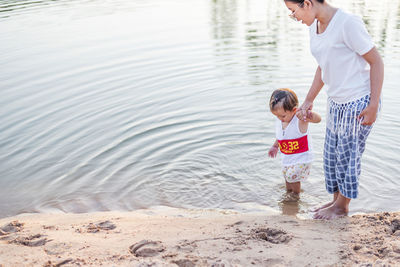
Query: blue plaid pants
344	145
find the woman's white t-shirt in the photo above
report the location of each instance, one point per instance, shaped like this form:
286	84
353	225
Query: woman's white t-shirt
338	51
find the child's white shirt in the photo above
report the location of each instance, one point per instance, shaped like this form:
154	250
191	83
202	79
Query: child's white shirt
338	51
292	131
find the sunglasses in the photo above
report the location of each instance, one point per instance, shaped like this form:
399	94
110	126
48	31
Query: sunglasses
292	15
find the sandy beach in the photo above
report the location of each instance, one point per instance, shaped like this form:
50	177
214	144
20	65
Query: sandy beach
176	237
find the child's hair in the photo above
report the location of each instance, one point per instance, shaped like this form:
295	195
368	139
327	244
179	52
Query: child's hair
287	97
301	1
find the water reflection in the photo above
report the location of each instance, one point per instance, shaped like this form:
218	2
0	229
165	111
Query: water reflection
224	20
381	18
398	16
7	8
128	104
261	26
248	32
290	204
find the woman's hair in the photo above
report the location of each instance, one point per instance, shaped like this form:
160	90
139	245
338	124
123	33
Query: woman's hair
301	1
287	97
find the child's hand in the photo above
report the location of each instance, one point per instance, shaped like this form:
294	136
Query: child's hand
304	112
273	151
304	115
309	115
300	114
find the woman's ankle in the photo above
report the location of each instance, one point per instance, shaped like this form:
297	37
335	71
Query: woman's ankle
341	207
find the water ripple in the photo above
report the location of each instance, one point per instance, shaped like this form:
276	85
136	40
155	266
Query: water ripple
118	105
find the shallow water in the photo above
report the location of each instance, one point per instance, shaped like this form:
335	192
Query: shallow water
121	105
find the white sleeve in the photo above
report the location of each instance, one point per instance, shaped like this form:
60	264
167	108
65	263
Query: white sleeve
356	36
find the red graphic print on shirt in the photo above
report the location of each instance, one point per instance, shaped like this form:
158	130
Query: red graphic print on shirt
293	146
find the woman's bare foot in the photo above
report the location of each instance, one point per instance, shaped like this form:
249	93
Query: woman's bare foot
335	195
331	212
323	206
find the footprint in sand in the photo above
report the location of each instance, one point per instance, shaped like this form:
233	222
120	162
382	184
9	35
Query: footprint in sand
395	227
12	227
272	235
146	248
57	248
30	241
15	227
58	264
106	225
184	263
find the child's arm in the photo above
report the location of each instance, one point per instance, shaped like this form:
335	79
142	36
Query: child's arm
311	117
273	150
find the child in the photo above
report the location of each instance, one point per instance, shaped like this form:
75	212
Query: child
292	138
351	66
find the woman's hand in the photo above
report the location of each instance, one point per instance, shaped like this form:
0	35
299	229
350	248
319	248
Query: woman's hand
368	115
304	111
273	151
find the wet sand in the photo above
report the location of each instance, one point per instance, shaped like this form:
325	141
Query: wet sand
175	237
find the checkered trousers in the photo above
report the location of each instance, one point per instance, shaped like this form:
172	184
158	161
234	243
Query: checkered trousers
344	145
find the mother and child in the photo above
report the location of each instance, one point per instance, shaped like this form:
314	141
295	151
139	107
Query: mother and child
351	67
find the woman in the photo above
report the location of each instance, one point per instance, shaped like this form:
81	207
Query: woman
351	67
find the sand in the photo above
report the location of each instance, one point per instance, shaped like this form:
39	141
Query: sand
177	237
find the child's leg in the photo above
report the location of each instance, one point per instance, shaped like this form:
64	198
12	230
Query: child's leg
288	187
292	193
287	172
296	187
294	175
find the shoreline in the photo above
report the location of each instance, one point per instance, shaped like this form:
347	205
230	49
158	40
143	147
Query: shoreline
182	237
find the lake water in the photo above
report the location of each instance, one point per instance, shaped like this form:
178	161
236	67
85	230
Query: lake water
130	104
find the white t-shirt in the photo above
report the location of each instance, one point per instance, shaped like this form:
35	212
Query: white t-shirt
338	51
292	132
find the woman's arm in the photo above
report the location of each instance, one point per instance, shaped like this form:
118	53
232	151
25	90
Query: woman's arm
315	88
376	76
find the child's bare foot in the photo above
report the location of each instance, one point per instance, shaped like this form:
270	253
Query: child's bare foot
331	212
291	197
